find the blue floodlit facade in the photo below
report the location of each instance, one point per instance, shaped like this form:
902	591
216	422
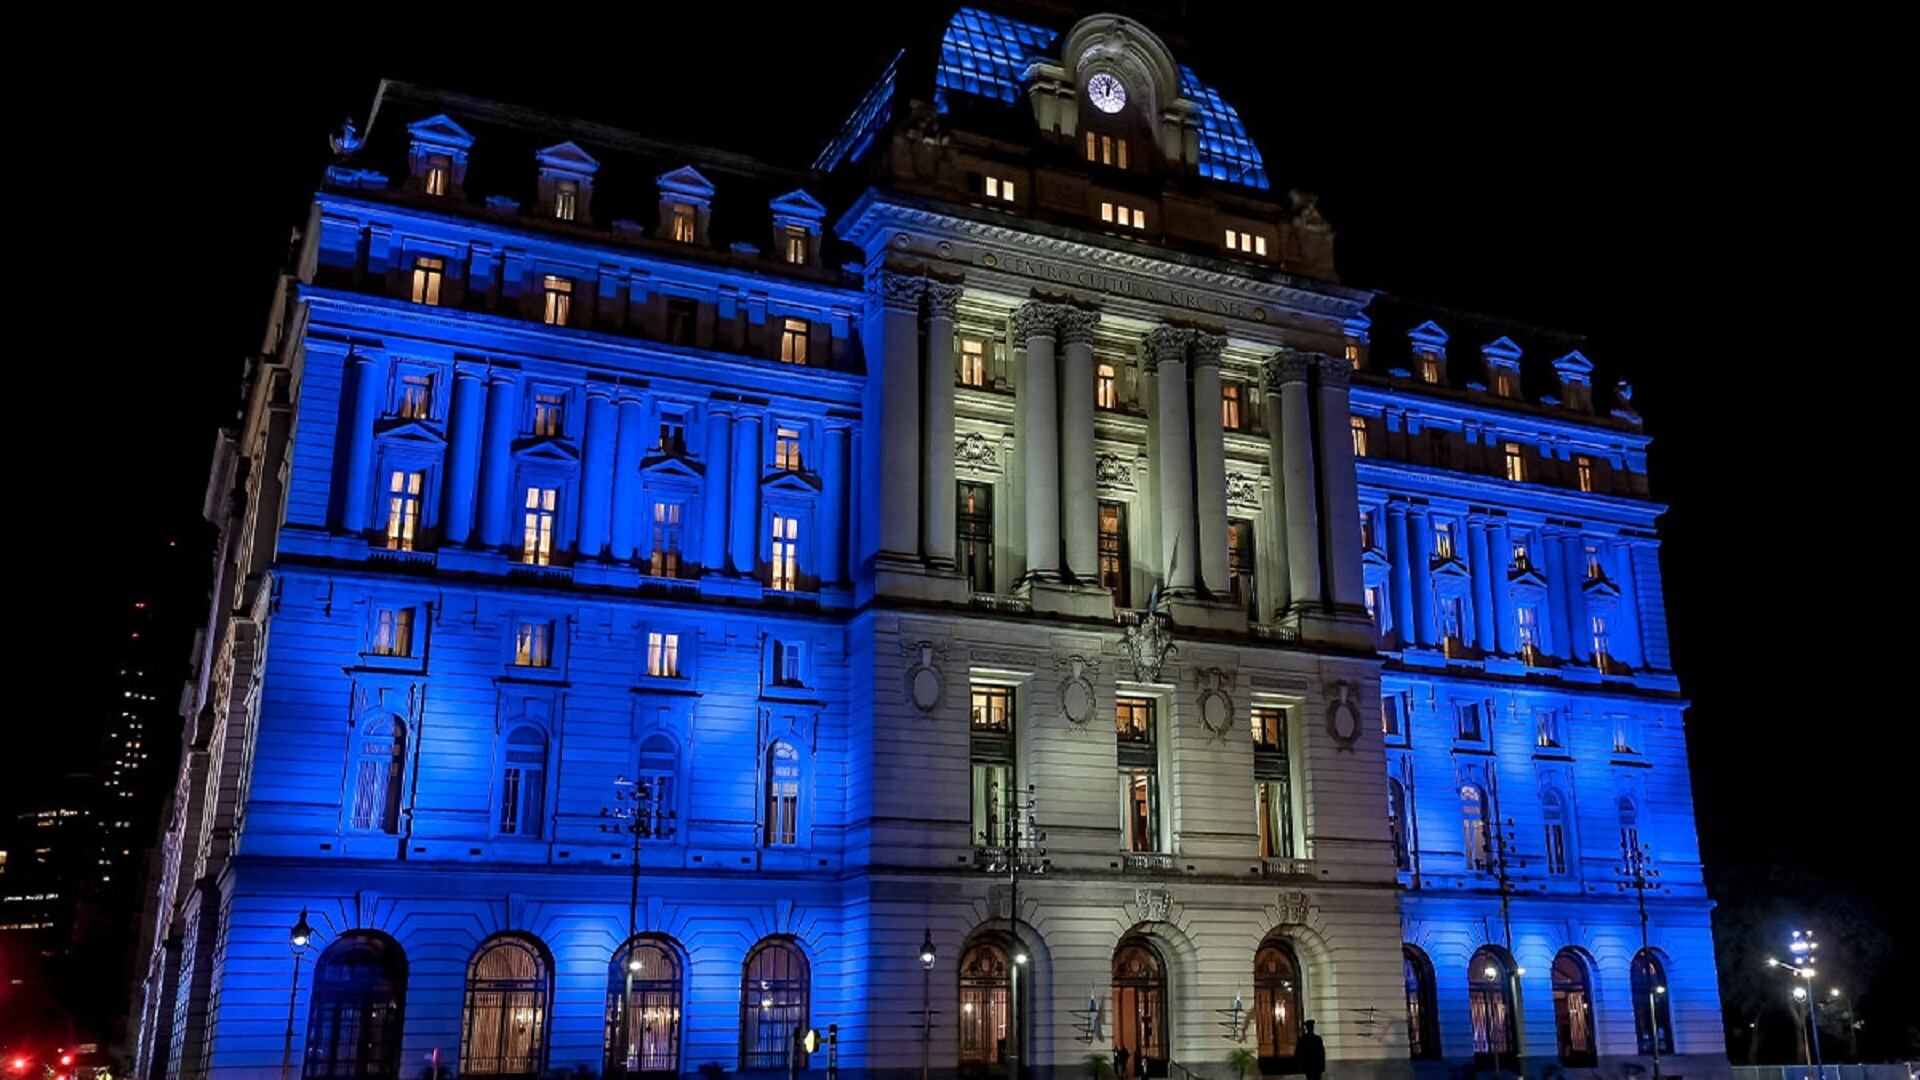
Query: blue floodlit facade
893	558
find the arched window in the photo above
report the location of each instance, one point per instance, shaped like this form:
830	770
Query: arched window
984	985
1473	816
379	773
783	795
1490	1004
659	771
1423	1017
1397	824
1553	813
1629	826
1140	1005
504	1031
353	1023
1573	1009
1276	1005
523	782
774	992
1651	1012
644	993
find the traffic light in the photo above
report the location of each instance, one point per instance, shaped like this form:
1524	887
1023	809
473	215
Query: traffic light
18	1064
66	1060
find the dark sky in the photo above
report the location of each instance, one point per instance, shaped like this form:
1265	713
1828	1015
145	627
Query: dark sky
1667	189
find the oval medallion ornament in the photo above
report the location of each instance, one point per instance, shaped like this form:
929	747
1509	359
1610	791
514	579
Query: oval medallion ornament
924	686
1076	699
1216	711
1343	714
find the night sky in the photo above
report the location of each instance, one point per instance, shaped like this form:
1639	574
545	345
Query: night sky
1647	193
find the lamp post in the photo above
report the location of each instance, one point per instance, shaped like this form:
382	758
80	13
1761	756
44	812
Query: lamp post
639	810
1637	872
1504	863
926	1003
297	940
1801	947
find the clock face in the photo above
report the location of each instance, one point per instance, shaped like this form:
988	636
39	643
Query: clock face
1107	93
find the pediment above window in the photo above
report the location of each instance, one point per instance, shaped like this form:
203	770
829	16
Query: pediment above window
796	483
1599	587
1428	335
797	207
545	451
686	184
567	160
1450	568
670	465
440	134
1527	577
418	432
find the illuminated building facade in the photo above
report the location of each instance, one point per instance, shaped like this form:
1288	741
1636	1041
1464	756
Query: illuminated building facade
957	544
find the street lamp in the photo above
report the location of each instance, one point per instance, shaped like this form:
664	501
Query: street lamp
926	1002
298	939
1801	945
1637	872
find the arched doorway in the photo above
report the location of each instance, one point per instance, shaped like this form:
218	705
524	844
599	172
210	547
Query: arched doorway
1490	1004
359	998
1573	1009
1423	1012
504	1024
644	989
1276	1005
1140	1007
985	983
776	989
1652	1016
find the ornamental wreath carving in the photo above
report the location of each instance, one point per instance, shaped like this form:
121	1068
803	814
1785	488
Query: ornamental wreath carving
1243	489
1076	689
926	687
1152	904
1149	638
1112	469
1215	704
1343	714
975	450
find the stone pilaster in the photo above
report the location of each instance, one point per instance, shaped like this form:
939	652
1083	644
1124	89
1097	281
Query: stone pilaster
713	518
496	459
596	473
629	448
894	303
833	507
1339	487
364	375
937	537
744	511
466	421
1209	463
1034	325
1287	375
1079	504
1166	361
1400	555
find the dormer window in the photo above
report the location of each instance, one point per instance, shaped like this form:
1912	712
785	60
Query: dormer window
1246	243
997	188
437	156
685	223
566	181
1107	149
1355	358
1429	366
566	199
559	300
1504	383
434	182
798	221
796	248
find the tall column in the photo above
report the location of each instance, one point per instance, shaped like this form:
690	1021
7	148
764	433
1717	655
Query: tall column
1579	634
464	426
1166	351
1500	557
629	449
596	473
833	506
1209	463
1287	377
496	457
1033	328
1420	561
1480	562
1079	509
1277	597
1400	554
894	302
1339	486
1555	567
745	509
713	503
937	538
1626	628
364	375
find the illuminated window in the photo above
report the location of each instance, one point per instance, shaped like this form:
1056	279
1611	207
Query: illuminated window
663	655
992	708
1240	563
783	795
785	567
1233	403
566	199
435	180
1106	150
427	272
393	632
1595	572
1353	354
684	223
533	645
774	991
559	300
1602	643
1246	243
416	396
1516	463
403	508
1106	389
786	449
1368	539
1522	555
549	415
536	545
1270	728
1358	425
1443	539
999	189
379	775
797	245
1133	720
523	784
1126	217
1429	366
974	531
1546	728
793	341
1583	468
1394	708
664	562
1473	818
1527	618
973	362
1371	596
1504	384
1115	573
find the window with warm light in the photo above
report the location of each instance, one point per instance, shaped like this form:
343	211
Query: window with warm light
1106	387
416	396
992	707
673	434
786	449
1273	782
1246	243
1353	355
1595	571
549	415
1505	384
664	561
1516	462
793	341
1357	425
1602	642
1429	366
404	490
542	506
1115	574
566	199
997	188
1368	539
434	182
1233	406
973	361
1583	472
796	237
1106	150
393	632
558	292
685	223
1133	719
663	655
1126	217
785	554
973	525
1527	620
1443	539
533	645
427	274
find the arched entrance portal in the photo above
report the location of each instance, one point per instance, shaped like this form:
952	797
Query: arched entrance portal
1276	1005
1140	1007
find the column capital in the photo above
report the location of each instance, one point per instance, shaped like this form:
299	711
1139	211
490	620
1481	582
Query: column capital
1335	372
497	375
1288	366
599	391
1206	347
1076	325
943	299
470	369
1034	318
895	291
1165	345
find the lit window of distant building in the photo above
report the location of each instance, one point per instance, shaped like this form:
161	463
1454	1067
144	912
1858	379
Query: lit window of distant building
1126	217
1583	469
435	180
785	554
1429	366
1106	150
997	188
566	199
786	449
1358	425
796	247
549	415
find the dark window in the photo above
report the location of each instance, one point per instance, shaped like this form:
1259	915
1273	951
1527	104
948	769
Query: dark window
774	992
353	1022
1423	1018
682	316
975	524
1651	1011
1240	565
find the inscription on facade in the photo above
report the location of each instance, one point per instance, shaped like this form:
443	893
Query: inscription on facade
1098	279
